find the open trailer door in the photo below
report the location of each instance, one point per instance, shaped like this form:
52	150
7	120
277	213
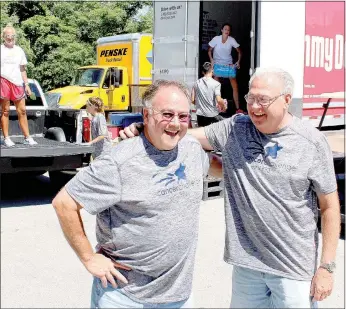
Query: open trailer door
176	41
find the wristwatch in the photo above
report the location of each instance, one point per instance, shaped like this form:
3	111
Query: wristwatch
329	266
26	84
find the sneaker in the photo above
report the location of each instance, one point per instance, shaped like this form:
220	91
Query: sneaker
30	141
8	142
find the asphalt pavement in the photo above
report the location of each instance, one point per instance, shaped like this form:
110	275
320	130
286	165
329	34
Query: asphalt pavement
40	270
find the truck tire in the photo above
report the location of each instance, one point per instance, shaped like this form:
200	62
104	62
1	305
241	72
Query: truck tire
56	134
58	179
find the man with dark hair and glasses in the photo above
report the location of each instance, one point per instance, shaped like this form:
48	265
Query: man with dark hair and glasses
277	169
146	194
206	94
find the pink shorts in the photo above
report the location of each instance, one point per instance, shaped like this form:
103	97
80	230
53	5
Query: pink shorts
11	91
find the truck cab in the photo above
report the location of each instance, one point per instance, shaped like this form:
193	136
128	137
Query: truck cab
107	82
122	72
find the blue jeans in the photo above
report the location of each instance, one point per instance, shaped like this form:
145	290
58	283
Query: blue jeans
113	298
255	289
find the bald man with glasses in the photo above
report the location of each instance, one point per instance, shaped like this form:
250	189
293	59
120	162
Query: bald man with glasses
146	194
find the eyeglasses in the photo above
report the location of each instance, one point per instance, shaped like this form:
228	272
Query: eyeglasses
168	115
263	101
10	36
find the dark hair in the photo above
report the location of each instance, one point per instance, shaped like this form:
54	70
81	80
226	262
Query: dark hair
206	67
151	91
227	24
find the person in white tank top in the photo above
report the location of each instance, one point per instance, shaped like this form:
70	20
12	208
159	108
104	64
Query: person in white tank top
220	48
14	85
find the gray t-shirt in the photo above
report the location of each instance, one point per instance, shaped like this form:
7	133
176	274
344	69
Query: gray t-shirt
147	204
99	127
206	90
271	183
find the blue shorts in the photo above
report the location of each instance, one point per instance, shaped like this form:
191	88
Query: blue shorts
227	71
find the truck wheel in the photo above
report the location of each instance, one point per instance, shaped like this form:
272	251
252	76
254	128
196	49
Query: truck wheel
58	179
56	134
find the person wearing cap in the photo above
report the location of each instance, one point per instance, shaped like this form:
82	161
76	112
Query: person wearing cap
206	95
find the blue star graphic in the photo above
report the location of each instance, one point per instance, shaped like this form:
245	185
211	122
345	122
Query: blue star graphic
272	151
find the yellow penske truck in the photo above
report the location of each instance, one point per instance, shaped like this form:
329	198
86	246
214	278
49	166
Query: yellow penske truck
122	72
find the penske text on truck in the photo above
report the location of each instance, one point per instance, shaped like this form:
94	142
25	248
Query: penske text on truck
123	62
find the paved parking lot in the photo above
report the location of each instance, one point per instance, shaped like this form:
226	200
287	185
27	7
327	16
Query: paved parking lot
39	270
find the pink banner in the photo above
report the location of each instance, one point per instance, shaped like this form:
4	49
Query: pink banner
324	63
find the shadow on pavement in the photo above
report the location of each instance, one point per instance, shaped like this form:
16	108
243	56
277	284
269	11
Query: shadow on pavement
19	190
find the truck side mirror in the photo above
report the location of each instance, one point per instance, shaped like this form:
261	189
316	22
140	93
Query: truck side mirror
117	75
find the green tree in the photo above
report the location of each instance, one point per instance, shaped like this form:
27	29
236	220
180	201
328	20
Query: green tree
8	18
145	23
58	37
5	17
25	9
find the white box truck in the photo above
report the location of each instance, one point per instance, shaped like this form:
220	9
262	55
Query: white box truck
305	38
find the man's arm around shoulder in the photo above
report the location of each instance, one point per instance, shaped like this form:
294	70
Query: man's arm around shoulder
200	135
133	130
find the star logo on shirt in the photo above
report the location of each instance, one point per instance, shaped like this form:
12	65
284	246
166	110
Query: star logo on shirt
272	151
177	176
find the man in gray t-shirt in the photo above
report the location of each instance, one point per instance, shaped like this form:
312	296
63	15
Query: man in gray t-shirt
276	167
206	94
146	194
